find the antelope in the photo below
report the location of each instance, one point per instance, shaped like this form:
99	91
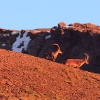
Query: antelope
53	55
77	62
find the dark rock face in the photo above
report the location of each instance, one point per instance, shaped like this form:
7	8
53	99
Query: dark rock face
35	45
74	40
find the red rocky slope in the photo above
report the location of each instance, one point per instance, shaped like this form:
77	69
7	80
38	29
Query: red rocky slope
24	77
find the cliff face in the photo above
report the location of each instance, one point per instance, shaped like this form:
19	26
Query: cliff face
74	40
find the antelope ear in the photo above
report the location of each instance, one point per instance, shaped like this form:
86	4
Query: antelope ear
84	58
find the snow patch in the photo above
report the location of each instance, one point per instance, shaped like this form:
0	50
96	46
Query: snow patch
68	26
14	33
47	37
3	45
5	35
19	41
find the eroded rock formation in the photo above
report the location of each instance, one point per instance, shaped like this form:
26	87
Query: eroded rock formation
74	40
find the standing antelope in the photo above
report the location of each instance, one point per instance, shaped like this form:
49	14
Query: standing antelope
77	62
53	55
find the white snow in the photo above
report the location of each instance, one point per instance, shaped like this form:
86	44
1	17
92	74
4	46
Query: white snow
19	40
68	26
13	33
5	35
49	36
3	45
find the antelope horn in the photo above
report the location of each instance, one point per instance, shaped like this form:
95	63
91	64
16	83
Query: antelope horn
56	45
87	56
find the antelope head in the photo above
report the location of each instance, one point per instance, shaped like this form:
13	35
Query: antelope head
86	58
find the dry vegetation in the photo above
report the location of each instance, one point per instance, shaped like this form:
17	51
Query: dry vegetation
24	77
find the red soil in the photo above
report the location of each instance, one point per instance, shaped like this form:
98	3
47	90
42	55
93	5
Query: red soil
24	77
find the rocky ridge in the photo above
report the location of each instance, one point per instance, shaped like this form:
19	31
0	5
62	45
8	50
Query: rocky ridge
73	39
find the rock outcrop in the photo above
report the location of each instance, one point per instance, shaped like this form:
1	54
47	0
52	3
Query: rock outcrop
73	39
